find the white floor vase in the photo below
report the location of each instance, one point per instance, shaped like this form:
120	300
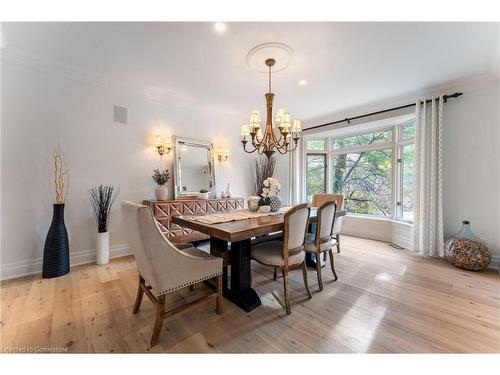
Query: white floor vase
102	248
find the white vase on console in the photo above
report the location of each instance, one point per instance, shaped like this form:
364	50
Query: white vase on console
228	191
161	192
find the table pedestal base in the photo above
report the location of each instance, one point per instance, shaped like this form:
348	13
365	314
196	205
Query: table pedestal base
240	293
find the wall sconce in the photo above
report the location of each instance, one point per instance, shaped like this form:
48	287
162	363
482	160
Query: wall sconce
163	148
222	154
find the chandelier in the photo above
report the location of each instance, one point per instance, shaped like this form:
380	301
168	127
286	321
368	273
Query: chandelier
283	138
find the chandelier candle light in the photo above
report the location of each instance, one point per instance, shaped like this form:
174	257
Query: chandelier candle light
284	140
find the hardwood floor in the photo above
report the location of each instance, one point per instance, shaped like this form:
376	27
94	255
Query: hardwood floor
385	300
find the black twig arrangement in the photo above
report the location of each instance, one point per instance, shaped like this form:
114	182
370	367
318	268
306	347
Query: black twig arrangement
161	177
101	200
263	168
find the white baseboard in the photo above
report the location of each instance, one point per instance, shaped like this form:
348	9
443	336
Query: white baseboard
495	263
29	267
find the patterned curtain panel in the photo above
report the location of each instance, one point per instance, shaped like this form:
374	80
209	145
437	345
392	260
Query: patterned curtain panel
428	211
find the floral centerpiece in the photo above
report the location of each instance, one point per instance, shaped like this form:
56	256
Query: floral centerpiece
269	196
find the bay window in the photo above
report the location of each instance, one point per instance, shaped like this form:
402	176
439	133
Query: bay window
372	169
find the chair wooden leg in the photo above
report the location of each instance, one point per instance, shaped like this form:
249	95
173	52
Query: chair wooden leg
332	265
338	243
218	302
285	287
275	276
318	270
160	309
306	284
138	298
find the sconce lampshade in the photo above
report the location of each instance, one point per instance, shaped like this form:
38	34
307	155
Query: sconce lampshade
157	141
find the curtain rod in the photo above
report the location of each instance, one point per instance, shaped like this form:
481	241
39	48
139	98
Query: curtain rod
348	120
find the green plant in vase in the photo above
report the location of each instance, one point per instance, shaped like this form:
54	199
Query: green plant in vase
203	193
161	178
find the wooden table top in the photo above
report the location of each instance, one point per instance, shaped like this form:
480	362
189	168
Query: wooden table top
242	229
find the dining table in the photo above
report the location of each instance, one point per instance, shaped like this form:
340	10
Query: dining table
233	240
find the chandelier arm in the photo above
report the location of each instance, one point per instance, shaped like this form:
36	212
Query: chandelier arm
295	144
284	148
245	147
281	141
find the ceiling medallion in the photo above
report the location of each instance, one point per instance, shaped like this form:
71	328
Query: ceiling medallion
282	138
280	52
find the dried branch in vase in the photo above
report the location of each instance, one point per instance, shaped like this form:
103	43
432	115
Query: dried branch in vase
263	168
101	200
60	175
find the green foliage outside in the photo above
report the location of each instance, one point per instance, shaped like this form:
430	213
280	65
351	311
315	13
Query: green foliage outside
365	180
408	172
316	145
316	169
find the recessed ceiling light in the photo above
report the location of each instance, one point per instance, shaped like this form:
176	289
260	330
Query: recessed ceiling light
302	82
220	27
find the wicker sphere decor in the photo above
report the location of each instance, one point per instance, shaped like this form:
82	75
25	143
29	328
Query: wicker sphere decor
465	250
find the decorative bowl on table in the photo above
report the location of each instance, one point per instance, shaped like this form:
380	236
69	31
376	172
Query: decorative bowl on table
265	209
253	203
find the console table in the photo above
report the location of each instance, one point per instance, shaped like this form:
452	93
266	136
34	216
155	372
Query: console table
163	211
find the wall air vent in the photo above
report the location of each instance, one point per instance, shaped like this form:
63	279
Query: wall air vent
120	114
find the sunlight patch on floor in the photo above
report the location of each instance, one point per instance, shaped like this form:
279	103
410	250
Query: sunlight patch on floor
363	330
383	276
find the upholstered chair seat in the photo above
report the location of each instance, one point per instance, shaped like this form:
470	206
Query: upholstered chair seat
271	254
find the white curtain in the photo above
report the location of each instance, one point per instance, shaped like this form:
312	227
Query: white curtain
428	207
294	176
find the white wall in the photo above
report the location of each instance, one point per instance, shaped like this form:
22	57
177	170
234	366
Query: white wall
43	105
471	163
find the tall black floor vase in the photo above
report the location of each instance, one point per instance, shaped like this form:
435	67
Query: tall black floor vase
56	250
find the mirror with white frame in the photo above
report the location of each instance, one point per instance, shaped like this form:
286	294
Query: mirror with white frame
193	167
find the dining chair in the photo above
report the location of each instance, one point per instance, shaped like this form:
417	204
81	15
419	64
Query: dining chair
322	241
164	268
319	199
288	254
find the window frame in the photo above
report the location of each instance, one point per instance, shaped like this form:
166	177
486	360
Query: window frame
326	174
305	153
399	162
396	144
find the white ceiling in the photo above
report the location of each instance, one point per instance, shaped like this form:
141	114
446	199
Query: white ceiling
345	64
